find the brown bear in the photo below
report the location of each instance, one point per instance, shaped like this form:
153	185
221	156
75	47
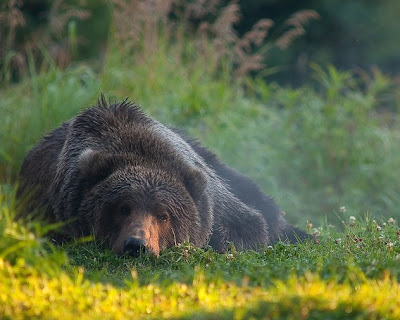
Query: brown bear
120	175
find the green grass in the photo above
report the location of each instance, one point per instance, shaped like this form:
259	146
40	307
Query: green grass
307	297
314	150
349	273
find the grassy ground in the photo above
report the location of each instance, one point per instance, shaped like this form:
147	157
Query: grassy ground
350	273
313	150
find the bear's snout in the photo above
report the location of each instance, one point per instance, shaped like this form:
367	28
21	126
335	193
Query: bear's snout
134	246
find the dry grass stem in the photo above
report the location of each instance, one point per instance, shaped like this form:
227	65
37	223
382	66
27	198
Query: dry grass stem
296	23
142	27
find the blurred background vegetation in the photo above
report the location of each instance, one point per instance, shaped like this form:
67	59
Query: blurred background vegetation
349	34
356	34
301	96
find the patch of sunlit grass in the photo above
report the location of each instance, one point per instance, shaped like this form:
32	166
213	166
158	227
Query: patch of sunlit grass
25	292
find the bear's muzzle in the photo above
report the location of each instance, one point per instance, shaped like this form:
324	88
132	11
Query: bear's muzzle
134	247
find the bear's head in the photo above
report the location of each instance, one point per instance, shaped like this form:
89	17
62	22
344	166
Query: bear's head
136	205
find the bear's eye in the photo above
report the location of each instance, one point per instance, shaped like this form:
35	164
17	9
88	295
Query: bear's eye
124	210
163	217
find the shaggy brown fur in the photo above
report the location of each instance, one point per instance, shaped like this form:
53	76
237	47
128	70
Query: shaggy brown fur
128	179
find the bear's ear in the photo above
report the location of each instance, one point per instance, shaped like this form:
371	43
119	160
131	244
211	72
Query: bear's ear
195	182
94	166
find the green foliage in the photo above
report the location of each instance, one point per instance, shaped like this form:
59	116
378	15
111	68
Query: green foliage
336	150
38	105
314	150
354	34
66	30
350	273
307	297
25	244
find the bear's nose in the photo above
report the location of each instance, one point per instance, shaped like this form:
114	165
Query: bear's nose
134	246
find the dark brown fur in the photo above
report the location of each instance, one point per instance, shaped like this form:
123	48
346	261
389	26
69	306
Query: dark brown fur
117	173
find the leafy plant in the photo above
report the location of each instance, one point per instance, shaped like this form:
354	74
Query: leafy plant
332	148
